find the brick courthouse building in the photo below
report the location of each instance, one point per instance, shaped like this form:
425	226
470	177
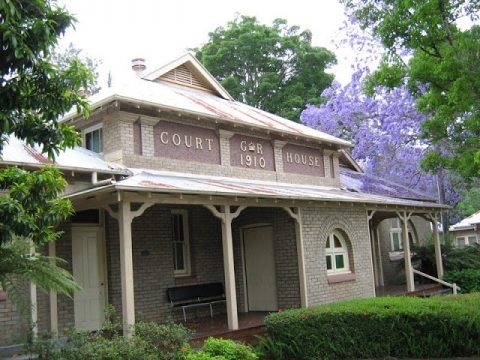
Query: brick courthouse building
183	185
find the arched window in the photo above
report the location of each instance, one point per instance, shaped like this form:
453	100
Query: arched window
336	253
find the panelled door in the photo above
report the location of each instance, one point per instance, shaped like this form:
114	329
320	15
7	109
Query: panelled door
260	268
89	271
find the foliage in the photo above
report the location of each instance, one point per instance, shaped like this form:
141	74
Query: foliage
65	57
467	279
467	257
29	211
220	349
378	328
385	128
274	68
166	338
470	203
438	61
34	93
151	341
453	258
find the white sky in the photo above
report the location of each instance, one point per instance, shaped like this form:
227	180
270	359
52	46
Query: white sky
116	31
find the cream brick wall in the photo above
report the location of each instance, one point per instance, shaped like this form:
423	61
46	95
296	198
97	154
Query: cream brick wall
119	144
317	224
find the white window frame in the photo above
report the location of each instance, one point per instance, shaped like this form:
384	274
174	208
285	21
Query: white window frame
332	251
186	271
472	236
398	230
465	239
89	130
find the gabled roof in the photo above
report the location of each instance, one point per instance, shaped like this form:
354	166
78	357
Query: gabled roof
347	160
171	97
467	223
200	77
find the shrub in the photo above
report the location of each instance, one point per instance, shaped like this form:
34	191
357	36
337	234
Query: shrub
454	258
151	342
220	349
378	328
467	279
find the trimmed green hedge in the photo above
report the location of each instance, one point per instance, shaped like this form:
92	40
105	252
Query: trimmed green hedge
467	279
376	328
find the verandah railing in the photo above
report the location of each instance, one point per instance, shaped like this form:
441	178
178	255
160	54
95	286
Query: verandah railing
454	286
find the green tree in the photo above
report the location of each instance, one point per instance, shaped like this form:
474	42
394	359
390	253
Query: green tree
427	50
274	68
34	93
65	57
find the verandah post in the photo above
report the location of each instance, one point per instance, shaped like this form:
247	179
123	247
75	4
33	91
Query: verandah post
126	267
438	249
228	266
407	253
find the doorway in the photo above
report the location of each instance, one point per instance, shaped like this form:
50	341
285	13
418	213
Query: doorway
88	260
259	257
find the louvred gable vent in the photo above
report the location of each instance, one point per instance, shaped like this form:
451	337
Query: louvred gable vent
183	75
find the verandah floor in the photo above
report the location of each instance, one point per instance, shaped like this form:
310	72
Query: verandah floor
396	290
250	324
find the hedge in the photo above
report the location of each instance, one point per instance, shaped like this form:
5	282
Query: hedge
376	328
467	279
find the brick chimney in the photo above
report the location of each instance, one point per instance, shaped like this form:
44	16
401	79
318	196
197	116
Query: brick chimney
138	66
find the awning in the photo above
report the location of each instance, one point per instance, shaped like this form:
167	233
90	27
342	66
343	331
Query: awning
180	183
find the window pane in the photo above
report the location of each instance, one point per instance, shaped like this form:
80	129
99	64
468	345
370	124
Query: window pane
461	242
472	240
396	242
93	140
96	141
179	261
339	262
180	228
88	141
175	227
329	262
338	244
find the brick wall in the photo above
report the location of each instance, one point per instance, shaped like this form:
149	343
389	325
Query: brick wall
153	262
286	265
123	132
317	224
13	324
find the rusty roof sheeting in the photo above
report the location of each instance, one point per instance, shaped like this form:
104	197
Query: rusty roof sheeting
201	103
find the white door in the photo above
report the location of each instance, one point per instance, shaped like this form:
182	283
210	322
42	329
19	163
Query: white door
88	271
260	268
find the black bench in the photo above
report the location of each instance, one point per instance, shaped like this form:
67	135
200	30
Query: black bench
196	295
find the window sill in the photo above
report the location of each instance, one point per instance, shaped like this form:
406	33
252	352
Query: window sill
395	255
338	278
185	279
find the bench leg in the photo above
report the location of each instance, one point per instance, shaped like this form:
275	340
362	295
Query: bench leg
184	315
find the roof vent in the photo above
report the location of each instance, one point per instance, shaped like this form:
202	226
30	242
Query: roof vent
138	66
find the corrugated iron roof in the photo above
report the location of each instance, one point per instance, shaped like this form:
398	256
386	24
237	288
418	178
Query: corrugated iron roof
17	152
369	184
171	182
467	223
201	103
